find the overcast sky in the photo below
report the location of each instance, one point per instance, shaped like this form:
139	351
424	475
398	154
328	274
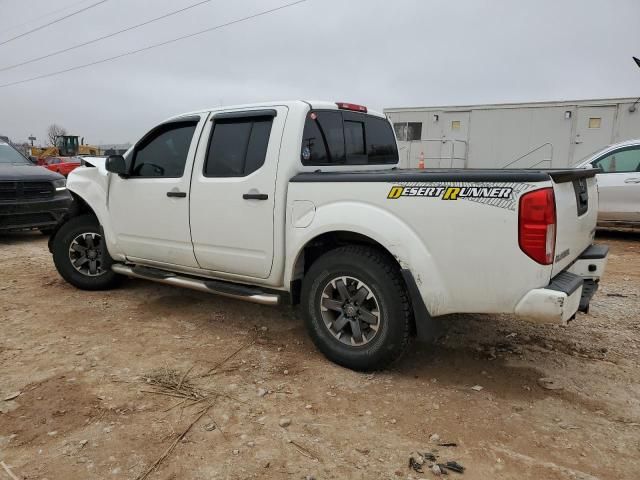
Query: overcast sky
379	53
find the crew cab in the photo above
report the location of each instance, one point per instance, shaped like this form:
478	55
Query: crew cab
31	197
303	202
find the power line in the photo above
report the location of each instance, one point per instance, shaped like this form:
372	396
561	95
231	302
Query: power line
52	22
51	12
53	54
132	52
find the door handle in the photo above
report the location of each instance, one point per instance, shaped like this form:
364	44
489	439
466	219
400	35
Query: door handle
255	196
632	180
176	194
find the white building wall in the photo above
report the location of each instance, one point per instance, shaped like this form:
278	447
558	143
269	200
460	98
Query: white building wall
548	134
535	136
627	124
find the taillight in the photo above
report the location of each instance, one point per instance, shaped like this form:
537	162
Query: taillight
352	107
537	225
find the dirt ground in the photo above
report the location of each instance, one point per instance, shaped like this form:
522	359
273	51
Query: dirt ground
109	381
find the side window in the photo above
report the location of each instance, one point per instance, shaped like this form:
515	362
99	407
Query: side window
381	146
238	146
620	161
163	153
323	139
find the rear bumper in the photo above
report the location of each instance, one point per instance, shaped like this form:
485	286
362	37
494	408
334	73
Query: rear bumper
34	213
569	292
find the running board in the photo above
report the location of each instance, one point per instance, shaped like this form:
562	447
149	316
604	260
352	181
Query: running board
226	289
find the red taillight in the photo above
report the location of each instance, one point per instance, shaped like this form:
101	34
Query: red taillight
537	225
351	106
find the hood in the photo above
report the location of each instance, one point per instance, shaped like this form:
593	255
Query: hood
33	173
98	162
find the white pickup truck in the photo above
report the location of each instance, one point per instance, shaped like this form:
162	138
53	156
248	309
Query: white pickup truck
303	201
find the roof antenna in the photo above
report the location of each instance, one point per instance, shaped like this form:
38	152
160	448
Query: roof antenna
632	108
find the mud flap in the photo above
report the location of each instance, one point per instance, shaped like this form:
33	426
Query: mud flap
428	329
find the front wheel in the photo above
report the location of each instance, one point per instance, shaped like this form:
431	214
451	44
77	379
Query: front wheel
80	255
356	307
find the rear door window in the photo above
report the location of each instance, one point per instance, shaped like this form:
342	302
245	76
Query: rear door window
347	138
238	146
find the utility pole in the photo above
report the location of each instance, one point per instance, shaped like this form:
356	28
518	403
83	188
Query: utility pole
32	139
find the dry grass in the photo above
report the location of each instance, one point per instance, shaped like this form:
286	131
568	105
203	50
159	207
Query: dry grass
172	383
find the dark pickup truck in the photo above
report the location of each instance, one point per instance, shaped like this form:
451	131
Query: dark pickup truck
30	196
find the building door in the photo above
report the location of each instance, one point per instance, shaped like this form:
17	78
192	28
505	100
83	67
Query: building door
594	130
455	135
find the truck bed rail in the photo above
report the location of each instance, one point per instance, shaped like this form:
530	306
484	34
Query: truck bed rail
449	175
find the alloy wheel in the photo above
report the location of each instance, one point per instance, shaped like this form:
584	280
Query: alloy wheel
350	311
86	254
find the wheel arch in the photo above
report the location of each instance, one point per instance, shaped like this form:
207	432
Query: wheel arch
321	243
79	206
87	199
360	222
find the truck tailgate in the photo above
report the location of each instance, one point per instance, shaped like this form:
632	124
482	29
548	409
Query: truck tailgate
576	195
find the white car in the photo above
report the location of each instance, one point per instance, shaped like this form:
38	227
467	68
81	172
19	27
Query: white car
302	201
618	184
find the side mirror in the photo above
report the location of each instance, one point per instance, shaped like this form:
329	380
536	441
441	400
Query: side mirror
116	164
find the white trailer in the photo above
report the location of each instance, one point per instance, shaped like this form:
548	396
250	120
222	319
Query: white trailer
516	135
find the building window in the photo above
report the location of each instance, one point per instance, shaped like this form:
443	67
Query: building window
455	125
594	122
408	131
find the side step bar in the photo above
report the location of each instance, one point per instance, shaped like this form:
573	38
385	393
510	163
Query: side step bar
226	289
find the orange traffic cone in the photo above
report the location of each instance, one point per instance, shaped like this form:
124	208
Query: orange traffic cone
421	161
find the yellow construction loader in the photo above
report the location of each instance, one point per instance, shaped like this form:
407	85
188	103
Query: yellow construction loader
65	146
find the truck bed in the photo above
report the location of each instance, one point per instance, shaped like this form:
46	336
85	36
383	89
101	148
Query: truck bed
457	230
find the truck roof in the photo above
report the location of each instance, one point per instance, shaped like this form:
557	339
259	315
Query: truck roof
314	104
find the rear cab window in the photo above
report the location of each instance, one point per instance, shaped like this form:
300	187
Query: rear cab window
336	137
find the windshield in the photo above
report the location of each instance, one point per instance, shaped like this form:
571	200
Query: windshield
8	154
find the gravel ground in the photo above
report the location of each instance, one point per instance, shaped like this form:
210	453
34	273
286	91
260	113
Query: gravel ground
103	385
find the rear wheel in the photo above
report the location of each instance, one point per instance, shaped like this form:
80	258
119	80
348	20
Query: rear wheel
356	307
80	255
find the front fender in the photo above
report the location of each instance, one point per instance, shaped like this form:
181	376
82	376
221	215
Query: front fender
380	225
91	184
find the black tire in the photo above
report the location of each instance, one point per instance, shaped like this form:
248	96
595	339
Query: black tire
381	276
102	277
